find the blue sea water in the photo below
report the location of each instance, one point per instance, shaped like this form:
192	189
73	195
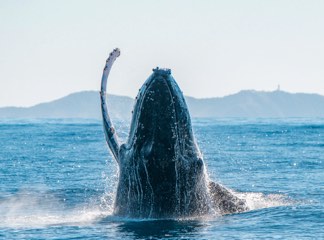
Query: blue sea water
57	181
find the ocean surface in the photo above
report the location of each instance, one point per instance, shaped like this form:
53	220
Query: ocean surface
58	179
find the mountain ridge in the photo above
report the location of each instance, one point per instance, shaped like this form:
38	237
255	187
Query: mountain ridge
246	103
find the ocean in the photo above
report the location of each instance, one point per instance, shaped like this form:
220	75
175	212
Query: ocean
58	180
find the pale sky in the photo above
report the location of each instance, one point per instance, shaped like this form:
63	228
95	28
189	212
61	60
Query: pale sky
49	49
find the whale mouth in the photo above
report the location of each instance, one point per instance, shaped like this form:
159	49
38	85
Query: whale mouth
157	121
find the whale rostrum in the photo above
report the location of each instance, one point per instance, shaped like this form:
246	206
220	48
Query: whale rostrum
161	170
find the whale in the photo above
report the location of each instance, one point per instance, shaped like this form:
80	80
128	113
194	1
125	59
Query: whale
161	171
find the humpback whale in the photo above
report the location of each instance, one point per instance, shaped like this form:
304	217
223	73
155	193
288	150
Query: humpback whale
161	170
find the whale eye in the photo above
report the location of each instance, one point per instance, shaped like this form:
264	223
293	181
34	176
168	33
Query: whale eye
200	163
147	149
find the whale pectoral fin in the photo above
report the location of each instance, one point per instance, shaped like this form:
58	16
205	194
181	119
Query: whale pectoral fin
225	201
110	133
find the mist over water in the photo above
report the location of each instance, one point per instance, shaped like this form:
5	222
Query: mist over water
57	177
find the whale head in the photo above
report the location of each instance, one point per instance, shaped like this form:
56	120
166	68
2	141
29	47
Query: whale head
161	122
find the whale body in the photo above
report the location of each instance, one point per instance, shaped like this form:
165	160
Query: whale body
161	170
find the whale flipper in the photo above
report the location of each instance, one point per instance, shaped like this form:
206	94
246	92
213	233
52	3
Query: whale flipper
110	134
225	201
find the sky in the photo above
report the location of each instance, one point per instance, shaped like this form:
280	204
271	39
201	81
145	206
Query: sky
49	49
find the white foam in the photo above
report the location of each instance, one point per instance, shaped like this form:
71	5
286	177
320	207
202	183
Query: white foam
256	200
25	210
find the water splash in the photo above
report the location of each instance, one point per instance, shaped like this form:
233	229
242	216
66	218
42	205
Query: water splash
29	210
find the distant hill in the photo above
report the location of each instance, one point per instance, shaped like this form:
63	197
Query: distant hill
247	103
250	103
76	105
